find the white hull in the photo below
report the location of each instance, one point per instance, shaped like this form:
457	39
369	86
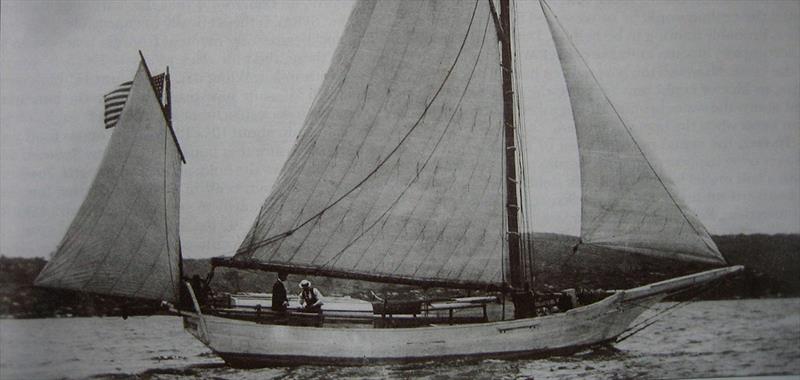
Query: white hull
249	344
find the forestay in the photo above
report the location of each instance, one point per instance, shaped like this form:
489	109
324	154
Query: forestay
124	240
627	202
397	172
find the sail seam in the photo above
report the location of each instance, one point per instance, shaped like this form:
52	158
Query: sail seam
67	241
360	146
385	159
331	160
483	191
635	249
131	257
457	108
134	254
415	178
314	131
120	172
280	188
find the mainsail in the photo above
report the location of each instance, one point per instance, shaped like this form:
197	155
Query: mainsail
124	240
397	173
627	202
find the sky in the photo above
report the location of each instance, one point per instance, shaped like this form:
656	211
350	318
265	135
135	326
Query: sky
712	87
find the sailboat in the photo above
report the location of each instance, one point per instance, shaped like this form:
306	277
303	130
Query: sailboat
409	169
125	240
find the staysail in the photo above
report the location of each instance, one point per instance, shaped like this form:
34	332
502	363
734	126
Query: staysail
124	240
627	203
397	173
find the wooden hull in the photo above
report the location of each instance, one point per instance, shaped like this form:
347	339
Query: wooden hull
249	344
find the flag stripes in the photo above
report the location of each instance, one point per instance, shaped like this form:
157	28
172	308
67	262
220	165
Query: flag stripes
115	100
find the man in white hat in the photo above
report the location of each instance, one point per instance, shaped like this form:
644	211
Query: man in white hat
310	298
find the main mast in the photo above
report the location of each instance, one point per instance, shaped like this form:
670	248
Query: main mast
293	229
514	259
522	296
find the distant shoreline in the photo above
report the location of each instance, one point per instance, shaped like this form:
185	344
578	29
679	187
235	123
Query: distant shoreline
772	263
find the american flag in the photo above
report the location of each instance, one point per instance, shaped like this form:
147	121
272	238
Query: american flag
115	100
158	83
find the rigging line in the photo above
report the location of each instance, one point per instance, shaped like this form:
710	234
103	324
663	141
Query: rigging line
521	139
671	294
570	255
385	159
425	225
580	158
627	129
166	222
462	238
503	182
150	271
430	155
108	254
639	305
580	175
131	257
313	129
451	255
342	138
397	69
143	281
639	251
504	210
527	218
503	216
105	205
483	193
606	210
654	318
303	155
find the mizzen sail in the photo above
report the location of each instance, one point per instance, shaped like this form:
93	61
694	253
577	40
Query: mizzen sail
397	172
124	240
627	202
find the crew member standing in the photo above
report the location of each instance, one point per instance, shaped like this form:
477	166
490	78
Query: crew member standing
279	299
310	298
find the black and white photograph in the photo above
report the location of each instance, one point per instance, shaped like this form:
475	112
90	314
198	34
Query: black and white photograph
399	189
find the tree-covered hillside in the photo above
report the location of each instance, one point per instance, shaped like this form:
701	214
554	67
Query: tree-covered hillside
772	265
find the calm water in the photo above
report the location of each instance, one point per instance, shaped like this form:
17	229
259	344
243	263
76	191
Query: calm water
703	339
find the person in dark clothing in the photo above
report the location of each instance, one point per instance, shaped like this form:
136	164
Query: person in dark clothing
200	290
279	299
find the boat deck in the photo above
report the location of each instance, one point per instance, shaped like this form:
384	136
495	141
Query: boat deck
351	312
